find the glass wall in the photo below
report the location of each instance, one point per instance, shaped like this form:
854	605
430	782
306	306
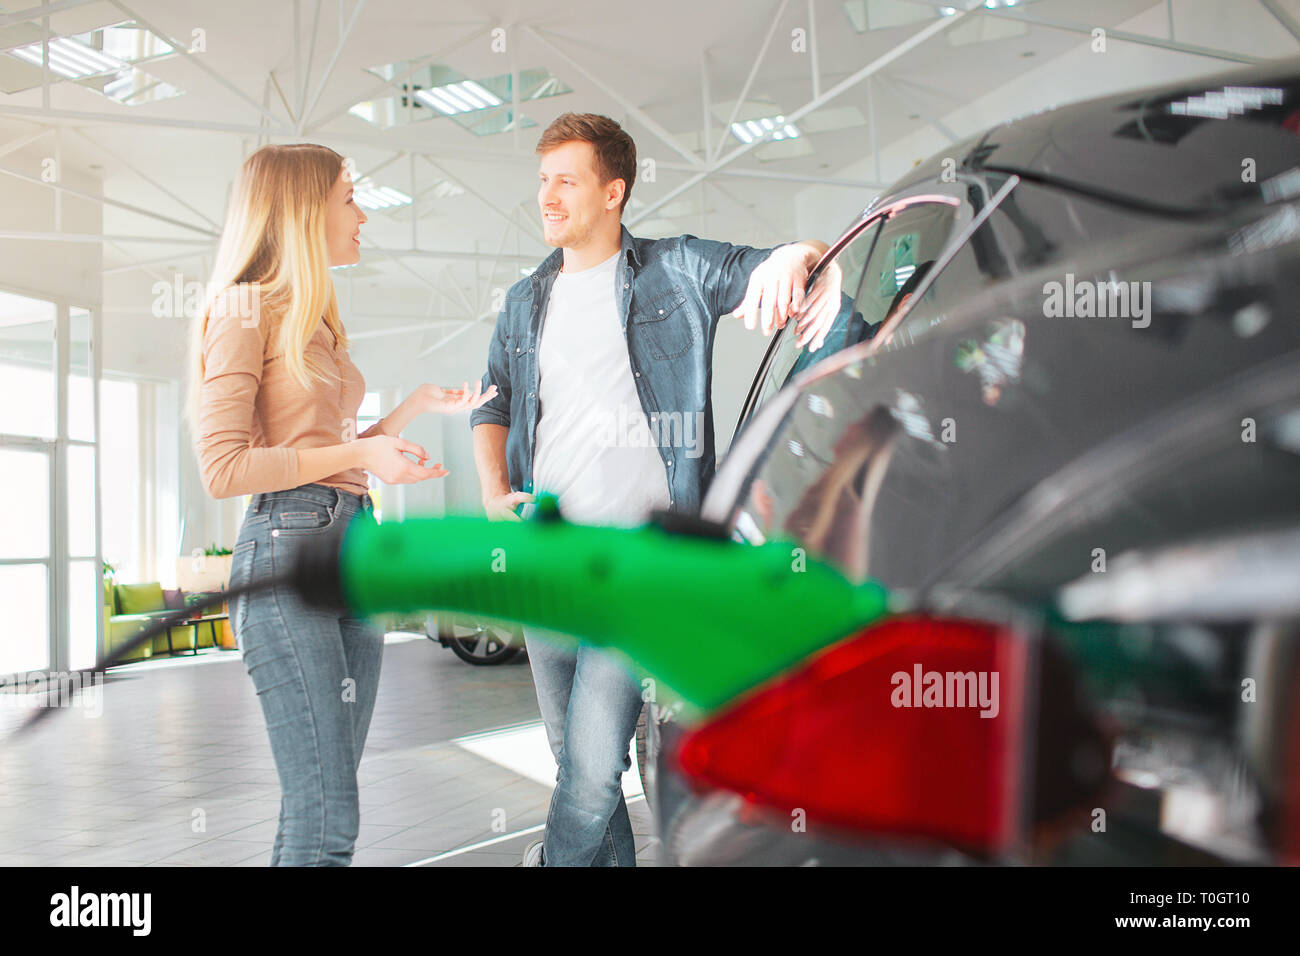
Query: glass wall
50	579
140	438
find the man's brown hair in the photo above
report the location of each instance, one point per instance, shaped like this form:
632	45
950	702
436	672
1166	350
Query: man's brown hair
615	151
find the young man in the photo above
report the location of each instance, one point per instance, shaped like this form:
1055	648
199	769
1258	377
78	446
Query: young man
607	344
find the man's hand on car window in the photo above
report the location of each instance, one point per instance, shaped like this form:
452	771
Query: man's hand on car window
776	292
820	308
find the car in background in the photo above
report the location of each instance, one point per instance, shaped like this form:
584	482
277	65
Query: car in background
476	640
484	642
1071	451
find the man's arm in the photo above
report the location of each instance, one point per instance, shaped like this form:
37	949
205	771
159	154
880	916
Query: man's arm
499	502
765	287
491	427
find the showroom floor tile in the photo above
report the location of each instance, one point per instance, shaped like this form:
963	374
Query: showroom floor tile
177	770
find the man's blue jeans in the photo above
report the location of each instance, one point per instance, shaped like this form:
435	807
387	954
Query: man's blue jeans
590	704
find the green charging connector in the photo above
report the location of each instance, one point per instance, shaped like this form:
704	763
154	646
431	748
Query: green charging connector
706	617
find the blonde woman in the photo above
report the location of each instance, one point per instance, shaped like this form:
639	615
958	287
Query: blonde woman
272	408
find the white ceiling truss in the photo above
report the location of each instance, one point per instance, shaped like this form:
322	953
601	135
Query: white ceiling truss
451	253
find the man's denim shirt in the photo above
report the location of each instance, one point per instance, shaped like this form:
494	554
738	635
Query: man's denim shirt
671	293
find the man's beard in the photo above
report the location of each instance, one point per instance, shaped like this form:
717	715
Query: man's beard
571	237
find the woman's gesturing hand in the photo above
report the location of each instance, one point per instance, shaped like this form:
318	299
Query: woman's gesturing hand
449	401
384	456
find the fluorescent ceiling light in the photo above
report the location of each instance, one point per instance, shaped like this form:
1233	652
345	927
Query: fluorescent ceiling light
371	196
104	60
436	92
463	97
70	59
771	127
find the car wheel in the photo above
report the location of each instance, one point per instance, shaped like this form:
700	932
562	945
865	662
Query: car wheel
481	644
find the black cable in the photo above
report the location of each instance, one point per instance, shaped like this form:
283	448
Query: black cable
160	626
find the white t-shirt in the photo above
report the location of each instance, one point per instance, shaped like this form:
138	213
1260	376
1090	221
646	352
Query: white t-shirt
592	447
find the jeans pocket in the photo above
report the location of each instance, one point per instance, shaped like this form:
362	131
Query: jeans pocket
241	573
299	517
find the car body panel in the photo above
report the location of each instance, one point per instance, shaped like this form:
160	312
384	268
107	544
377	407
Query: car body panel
981	444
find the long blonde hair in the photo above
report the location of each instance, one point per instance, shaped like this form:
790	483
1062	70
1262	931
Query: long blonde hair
274	243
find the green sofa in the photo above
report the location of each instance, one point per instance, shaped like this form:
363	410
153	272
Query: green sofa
130	608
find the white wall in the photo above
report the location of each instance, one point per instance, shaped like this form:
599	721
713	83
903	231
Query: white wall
48	268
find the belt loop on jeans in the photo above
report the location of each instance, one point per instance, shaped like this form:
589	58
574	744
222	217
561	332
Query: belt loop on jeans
338	503
255	504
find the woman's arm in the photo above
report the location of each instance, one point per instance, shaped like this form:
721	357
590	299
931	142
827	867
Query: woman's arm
382	455
396	420
232	374
317	463
430	398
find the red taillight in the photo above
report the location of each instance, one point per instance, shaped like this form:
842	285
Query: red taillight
835	740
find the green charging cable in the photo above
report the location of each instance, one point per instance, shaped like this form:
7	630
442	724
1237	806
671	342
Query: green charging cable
707	618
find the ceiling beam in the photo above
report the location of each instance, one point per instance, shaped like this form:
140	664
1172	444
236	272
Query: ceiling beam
706	105
179	256
303	78
161	122
469	324
813	65
31	13
388	86
511	220
199	62
105	201
773	176
875	66
903	92
304	116
633	110
284	101
16	144
1284	18
379	140
773	22
148	179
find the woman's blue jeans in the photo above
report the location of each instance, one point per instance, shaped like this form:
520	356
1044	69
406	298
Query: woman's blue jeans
315	672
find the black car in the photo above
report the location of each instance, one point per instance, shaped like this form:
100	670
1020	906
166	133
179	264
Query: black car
1059	418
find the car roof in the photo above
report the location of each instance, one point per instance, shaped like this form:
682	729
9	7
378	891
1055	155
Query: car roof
1190	148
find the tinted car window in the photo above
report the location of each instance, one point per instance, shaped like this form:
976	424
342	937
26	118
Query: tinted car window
786	355
879	268
908	246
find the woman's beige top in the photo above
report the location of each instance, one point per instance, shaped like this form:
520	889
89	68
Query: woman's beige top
253	414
